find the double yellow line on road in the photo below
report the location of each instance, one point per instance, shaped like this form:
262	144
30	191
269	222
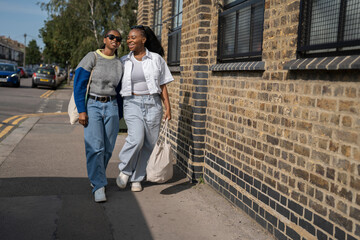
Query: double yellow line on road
14	121
5	131
47	94
8	124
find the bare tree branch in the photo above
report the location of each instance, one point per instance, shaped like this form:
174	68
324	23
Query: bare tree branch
92	20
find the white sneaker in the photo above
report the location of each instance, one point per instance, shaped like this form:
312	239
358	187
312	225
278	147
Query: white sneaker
136	187
100	195
122	180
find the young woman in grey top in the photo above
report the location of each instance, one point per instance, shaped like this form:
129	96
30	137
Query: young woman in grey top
143	87
100	114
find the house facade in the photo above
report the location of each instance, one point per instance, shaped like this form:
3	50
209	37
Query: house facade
11	50
266	107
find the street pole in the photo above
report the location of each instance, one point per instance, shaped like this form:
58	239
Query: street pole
24	50
68	72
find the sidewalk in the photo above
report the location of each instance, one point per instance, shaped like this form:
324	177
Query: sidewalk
45	194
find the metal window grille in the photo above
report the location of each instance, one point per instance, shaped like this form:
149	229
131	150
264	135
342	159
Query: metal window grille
158	18
175	34
329	28
241	31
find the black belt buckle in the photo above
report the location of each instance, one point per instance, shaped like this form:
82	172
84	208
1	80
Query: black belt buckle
103	99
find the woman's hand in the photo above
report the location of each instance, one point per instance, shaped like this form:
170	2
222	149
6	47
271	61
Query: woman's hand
83	119
167	115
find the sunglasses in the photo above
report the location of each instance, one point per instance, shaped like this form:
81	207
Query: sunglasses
112	37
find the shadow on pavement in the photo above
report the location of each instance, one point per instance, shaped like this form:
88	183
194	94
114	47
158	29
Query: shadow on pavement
178	176
63	208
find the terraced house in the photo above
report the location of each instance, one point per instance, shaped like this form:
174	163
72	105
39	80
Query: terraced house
266	107
11	50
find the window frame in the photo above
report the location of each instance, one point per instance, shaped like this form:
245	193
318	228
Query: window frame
322	50
158	4
175	32
239	57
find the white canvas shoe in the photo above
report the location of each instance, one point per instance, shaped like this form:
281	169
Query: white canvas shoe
136	187
122	180
100	195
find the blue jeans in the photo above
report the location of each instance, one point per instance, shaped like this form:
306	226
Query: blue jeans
100	137
142	115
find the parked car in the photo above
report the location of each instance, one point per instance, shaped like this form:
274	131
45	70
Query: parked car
23	73
46	76
9	74
29	71
63	72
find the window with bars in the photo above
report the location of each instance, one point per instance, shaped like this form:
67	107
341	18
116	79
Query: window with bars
329	28
241	31
158	18
175	34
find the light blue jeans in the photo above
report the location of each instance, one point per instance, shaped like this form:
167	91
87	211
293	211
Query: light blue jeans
142	115
100	137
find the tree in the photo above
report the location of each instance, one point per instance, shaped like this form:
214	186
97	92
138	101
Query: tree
76	27
125	20
33	54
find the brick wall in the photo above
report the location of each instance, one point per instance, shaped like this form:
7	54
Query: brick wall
145	12
193	87
282	145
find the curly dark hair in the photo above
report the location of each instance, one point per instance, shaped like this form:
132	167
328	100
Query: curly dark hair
152	42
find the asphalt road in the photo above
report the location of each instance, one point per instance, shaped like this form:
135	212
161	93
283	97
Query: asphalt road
16	103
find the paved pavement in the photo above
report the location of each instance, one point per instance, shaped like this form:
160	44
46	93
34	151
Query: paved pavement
45	194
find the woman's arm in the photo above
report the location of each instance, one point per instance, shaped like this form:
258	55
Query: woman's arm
165	98
80	84
81	79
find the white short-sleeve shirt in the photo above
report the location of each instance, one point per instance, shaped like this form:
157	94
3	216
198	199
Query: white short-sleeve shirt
155	69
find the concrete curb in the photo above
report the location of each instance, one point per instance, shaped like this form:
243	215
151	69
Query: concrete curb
10	142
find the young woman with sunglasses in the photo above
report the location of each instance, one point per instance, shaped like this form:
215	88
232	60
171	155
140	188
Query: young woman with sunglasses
143	87
99	112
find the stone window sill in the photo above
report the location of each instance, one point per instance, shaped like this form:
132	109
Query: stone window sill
239	66
324	63
175	69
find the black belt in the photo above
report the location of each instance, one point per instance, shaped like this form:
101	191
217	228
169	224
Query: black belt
103	99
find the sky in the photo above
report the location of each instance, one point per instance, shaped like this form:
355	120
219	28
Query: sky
18	17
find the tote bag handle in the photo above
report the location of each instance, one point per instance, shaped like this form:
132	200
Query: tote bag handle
165	131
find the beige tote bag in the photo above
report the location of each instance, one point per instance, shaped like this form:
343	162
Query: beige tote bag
72	109
160	167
